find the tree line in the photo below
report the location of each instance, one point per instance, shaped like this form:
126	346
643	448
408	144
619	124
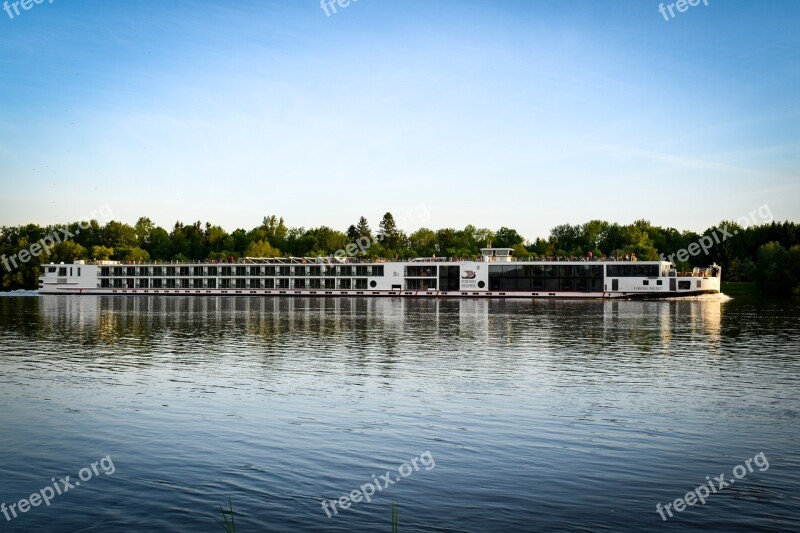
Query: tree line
768	254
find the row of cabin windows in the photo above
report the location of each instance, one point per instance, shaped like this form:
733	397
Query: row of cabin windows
546	284
546	271
269	271
62	271
239	283
633	271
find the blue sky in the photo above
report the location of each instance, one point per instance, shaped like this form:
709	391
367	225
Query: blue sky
523	114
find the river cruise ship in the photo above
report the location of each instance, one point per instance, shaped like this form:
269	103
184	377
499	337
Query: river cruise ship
496	275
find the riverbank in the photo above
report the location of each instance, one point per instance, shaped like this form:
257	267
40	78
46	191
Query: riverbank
739	288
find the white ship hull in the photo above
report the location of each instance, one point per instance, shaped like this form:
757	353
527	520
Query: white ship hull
420	279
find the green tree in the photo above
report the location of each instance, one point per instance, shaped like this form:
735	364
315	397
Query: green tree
67	252
775	273
422	243
389	236
362	228
117	234
507	238
101	253
261	248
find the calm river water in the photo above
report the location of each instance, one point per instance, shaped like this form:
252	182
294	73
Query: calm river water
520	416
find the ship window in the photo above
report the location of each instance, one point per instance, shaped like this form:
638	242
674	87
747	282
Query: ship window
512	271
362	271
523	284
420	284
534	271
62	271
684	285
377	271
269	271
564	271
53	269
184	271
346	271
345	284
420	271
269	283
361	283
157	283
373	284
241	271
645	282
299	271
284	271
314	271
659	282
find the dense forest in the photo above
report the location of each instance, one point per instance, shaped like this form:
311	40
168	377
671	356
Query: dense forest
768	254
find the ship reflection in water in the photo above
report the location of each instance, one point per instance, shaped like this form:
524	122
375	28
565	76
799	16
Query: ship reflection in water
495	322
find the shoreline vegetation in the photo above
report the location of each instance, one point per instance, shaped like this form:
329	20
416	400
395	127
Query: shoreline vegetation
756	259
